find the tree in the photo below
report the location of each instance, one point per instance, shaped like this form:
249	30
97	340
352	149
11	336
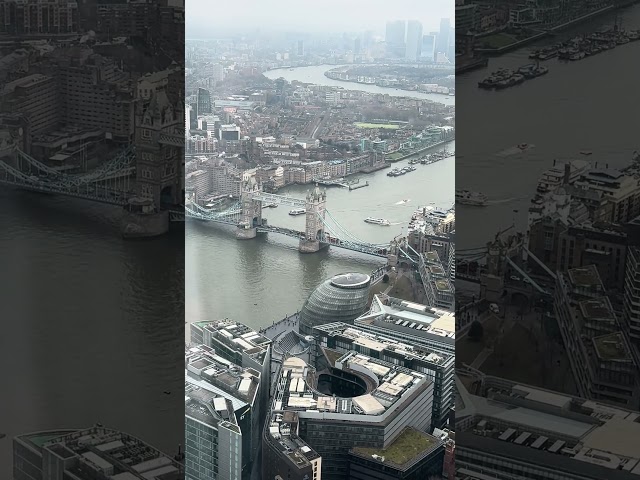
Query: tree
476	331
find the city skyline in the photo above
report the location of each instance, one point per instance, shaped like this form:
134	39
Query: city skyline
204	20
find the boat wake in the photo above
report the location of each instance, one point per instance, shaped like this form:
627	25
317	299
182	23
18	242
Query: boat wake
504	200
402	202
515	150
397	223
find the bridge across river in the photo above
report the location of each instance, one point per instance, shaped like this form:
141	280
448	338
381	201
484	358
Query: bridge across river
321	228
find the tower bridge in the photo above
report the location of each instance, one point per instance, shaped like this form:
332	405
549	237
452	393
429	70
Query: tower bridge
321	228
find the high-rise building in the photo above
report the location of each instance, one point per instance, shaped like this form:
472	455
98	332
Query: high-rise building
395	37
300	51
224	400
187	120
217	72
631	312
442	45
414	40
356	45
428	48
204	102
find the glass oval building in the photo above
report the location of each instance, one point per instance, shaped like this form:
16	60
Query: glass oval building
342	298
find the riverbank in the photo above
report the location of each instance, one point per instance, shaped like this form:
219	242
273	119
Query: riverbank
422	150
542	34
390	87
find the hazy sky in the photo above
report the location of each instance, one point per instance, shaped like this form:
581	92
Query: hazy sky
204	16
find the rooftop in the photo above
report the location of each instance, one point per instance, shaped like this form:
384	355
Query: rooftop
612	347
585	277
379	343
394	313
597	309
234	335
107	450
406	448
568	434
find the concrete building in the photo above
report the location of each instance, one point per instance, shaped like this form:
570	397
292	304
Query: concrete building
600	357
428	48
92	453
24	17
96	94
436	281
444	39
410	322
506	430
237	344
437	365
346	400
36	97
232	398
217	72
414	41
631	307
388	463
622	191
395	38
229	133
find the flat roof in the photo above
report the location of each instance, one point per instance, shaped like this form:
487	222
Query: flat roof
585	276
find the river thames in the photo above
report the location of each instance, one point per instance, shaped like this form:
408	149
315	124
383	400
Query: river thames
262	280
590	105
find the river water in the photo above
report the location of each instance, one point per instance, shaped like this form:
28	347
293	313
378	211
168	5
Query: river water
590	105
262	280
315	75
92	325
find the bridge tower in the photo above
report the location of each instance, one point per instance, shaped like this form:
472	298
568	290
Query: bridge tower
159	142
314	231
251	214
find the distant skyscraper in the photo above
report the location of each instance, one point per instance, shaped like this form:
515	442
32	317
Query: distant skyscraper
428	48
395	37
443	37
414	40
300	48
187	120
356	46
204	102
217	72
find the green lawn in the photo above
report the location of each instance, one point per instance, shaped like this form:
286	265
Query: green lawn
387	126
407	446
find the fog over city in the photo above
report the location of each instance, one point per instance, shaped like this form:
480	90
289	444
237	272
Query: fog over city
205	17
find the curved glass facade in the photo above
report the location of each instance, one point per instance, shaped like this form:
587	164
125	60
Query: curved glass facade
342	298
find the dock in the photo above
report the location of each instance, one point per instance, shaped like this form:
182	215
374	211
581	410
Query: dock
351	187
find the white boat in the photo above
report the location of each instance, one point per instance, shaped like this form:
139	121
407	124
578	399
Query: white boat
297	211
378	221
467	197
271	205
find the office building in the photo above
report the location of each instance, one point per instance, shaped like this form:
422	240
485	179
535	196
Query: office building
600	358
217	72
342	298
24	17
300	48
203	102
232	398
212	435
436	280
506	430
631	306
320	412
414	40
436	365
389	463
466	17
237	344
90	454
442	45
395	38
187	120
36	97
428	48
410	322
229	133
